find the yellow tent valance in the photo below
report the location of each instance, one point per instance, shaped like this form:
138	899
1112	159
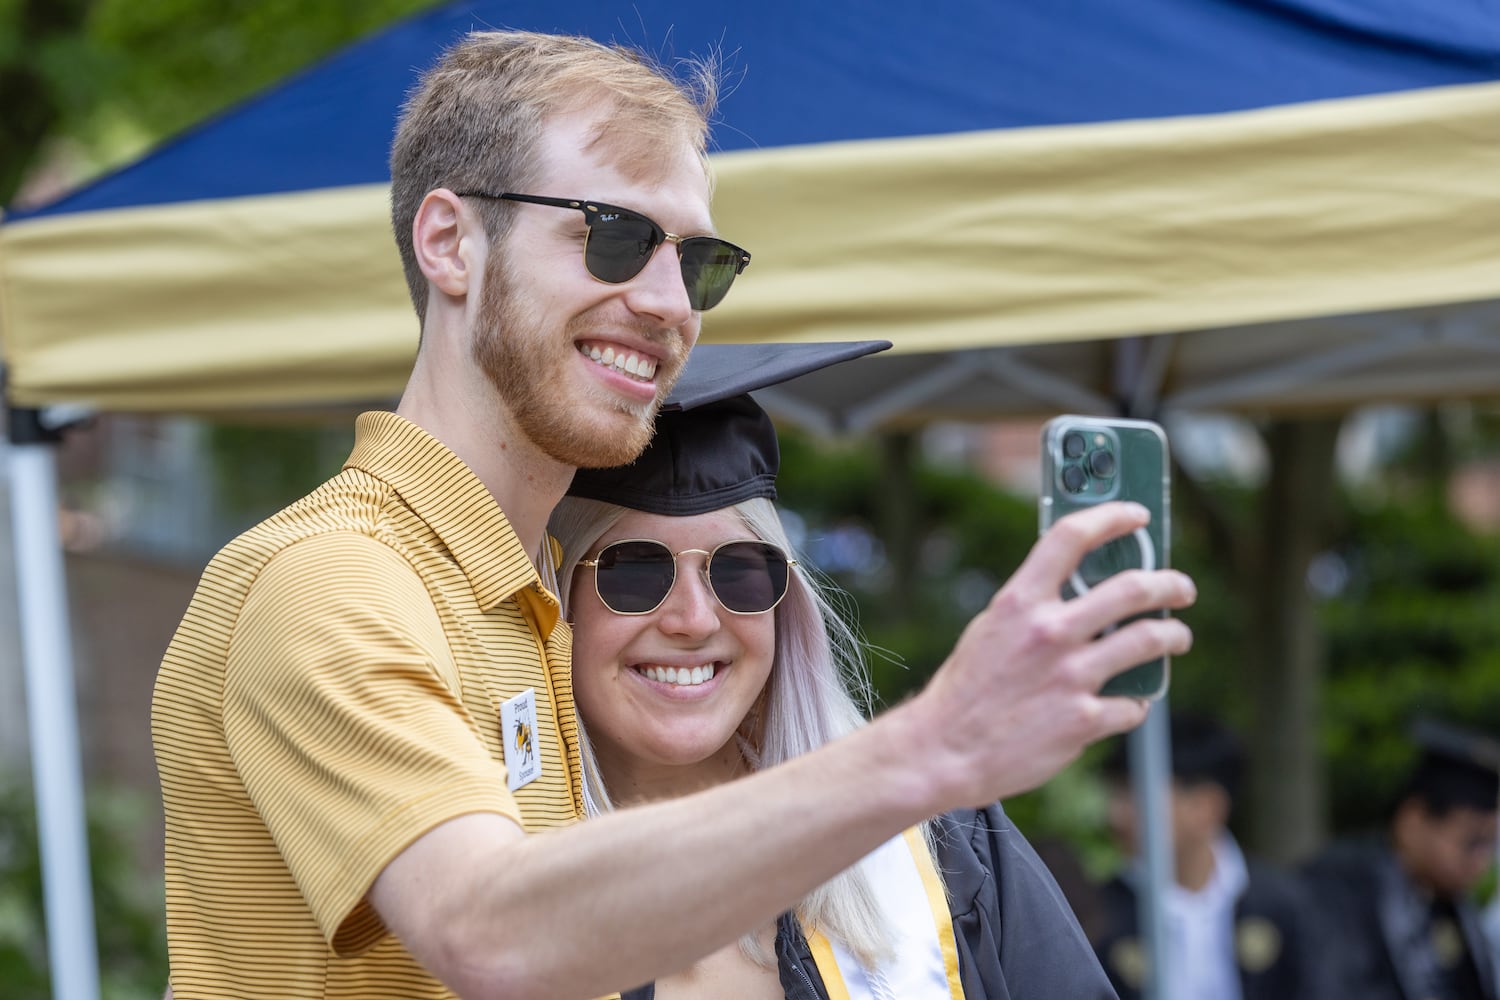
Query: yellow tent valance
935	243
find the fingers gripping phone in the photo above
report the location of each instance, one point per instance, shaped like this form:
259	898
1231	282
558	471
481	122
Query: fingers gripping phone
1086	461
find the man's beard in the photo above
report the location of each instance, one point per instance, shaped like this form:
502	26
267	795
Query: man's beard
527	365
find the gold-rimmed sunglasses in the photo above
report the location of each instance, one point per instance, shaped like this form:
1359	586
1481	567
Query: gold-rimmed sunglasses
633	576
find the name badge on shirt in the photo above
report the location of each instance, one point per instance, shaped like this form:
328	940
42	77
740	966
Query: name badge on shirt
518	730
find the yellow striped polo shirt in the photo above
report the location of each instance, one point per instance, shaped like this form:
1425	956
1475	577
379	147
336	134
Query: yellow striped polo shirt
334	692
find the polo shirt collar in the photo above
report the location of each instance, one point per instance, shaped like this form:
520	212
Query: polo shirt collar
444	492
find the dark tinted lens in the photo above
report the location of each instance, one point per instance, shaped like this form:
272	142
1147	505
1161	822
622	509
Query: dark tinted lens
708	269
619	246
634	577
748	577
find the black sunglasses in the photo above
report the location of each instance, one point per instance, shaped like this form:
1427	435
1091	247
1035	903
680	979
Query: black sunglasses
620	243
634	575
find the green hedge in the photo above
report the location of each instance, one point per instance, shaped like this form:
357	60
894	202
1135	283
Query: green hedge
128	904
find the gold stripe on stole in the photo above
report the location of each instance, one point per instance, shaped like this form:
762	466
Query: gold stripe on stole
942	920
937	899
828	966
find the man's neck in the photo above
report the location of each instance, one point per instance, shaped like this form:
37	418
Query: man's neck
524	481
1195	865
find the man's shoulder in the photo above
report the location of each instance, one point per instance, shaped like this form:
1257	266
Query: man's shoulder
1347	877
352	504
1351	858
351	519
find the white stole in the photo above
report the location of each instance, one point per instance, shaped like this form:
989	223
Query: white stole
924	964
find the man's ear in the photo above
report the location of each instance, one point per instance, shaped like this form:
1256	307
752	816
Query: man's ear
443	238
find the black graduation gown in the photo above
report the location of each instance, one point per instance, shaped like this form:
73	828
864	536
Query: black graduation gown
1385	940
1017	936
1275	948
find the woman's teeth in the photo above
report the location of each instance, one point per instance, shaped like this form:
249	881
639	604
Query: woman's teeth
681	676
631	364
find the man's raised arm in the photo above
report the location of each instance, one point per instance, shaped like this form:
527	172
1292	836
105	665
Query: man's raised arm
615	901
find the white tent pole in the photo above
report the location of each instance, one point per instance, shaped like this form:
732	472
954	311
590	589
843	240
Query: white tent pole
1150	755
56	767
1137	373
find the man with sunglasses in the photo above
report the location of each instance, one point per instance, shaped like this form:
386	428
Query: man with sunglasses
333	718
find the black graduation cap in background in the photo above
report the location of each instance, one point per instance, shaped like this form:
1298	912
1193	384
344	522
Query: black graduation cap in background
1203	750
714	446
1455	764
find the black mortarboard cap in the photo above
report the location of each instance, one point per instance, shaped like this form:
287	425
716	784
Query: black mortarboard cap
714	446
1456	767
1203	750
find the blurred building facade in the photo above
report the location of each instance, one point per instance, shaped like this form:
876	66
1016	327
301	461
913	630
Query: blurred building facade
141	516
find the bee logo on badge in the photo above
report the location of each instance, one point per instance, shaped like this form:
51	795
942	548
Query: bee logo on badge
518	737
523	741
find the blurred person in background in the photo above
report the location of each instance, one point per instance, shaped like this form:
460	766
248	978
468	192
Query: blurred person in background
1236	928
702	653
366	712
1397	914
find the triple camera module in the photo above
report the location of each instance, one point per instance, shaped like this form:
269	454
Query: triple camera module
1088	462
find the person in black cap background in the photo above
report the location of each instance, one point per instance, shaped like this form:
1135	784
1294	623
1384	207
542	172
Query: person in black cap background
1397	919
703	653
1237	928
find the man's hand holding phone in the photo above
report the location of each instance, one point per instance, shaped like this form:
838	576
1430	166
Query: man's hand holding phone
1025	689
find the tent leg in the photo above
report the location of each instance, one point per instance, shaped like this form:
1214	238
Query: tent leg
1149	748
56	767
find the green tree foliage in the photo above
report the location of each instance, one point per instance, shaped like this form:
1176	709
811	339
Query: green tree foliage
965	536
1415	632
45	62
173	62
132	940
109	78
259	468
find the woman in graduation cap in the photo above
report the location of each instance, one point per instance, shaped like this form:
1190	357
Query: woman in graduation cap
703	652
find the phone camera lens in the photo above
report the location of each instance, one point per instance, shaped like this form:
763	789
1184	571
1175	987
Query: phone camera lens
1074	479
1102	464
1074	444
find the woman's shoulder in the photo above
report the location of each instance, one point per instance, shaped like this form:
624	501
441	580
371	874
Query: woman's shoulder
975	831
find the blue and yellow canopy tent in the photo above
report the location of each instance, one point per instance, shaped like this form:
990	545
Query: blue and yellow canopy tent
971	176
1255	204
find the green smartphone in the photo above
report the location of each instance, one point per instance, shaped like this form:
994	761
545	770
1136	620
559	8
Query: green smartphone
1087	461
